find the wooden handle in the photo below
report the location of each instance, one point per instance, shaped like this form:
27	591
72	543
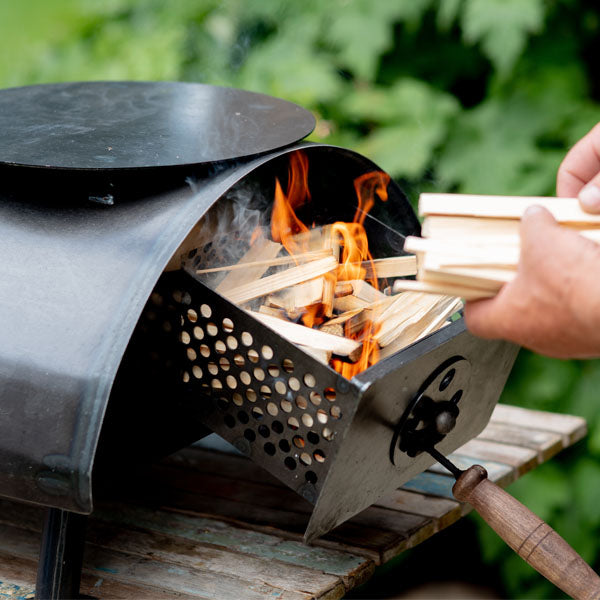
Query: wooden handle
530	537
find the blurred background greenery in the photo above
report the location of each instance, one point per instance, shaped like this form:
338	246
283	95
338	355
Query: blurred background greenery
479	96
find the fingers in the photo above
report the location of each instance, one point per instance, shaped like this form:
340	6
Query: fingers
538	231
580	166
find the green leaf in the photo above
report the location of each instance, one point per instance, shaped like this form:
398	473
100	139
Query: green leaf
502	27
586	479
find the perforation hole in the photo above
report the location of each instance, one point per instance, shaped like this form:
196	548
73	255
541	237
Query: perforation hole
206	311
293	423
238	359
270	449
272	409
197	372
265	391
185	377
253	356
273	371
212	368
298	441
224	363
257	413
307	420
319	455
264	431
156	299
167	327
184	336
294	384
330	394
215	384
267	352
328	434
186	298
290	463
237	399
335	412
246	338
198	333
288	365
277	426
192	315
284	446
245	378
176	295
259	374
305	459
227	325
204	350
220	347
280	387
232	342
322	416
286	406
243	417
249	435
251	395
231	382
311	477
309	380
315	398
222	403
312	437
229	421
301	402
211	329
191	354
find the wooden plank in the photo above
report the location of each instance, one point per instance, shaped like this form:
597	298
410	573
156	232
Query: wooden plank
268	263
545	443
429	287
15	591
263	249
273	283
571	428
564	210
313	338
443	511
500	473
522	459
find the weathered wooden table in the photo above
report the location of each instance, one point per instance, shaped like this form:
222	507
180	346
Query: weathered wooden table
210	525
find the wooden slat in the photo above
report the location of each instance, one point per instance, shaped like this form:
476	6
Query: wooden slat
522	459
545	443
571	428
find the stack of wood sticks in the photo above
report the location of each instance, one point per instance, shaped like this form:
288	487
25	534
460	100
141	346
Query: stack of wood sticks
471	245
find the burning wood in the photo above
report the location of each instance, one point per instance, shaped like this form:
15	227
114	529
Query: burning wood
471	246
320	288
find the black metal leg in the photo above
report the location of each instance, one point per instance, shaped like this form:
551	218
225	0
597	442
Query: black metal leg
61	555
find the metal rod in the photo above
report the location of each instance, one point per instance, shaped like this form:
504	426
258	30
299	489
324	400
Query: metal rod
445	462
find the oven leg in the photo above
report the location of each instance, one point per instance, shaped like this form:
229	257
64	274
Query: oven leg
61	555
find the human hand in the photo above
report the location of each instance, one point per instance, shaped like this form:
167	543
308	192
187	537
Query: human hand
553	304
579	172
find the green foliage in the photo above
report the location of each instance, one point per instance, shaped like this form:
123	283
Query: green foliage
447	95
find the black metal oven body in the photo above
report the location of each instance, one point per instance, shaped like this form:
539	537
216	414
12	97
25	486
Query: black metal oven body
89	383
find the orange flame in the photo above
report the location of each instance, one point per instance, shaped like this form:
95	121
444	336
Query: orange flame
284	222
350	237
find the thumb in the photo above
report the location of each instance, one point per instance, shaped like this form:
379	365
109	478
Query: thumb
589	195
538	228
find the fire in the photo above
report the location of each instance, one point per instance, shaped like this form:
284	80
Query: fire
285	225
350	238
